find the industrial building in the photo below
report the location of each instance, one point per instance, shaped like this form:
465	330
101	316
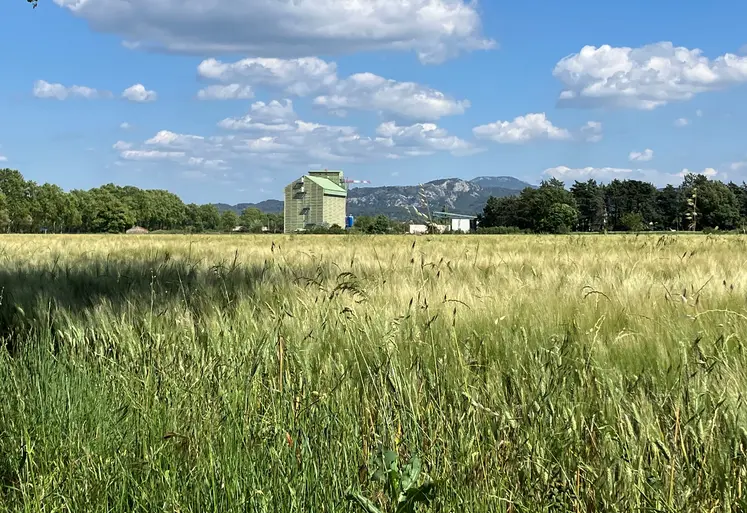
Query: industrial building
317	199
458	222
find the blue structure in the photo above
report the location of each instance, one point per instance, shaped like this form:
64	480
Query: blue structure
349	221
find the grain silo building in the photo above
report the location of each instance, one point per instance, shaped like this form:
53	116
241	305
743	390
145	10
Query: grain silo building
317	199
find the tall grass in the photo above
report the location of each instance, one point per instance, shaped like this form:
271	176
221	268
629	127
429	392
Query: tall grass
528	373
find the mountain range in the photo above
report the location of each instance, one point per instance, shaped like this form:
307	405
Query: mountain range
452	194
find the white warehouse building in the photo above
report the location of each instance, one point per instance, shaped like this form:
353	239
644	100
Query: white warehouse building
458	222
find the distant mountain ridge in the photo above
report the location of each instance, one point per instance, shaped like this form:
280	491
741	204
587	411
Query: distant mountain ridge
271	206
397	202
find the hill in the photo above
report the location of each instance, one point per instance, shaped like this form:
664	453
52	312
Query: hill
453	194
271	206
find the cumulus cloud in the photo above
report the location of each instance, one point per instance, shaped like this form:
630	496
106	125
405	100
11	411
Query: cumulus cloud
645	77
139	94
312	75
268	117
226	92
366	91
421	139
641	156
44	89
435	29
708	172
272	135
122	146
585	173
299	77
522	129
592	131
150	154
680	122
607	174
3	158
736	166
125	125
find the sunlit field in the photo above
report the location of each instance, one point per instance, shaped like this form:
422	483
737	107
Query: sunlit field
270	374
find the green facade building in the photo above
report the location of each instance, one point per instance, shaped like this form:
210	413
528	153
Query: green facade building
318	198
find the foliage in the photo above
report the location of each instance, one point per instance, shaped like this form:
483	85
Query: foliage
228	221
252	373
621	205
400	484
560	218
632	221
28	207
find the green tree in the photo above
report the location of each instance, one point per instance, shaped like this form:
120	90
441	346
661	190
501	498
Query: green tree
209	217
380	224
589	198
632	221
670	205
228	220
252	219
499	212
716	206
560	218
18	197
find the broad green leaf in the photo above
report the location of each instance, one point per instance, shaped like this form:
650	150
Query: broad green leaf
363	502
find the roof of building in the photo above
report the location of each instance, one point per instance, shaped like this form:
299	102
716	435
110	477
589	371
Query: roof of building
452	215
328	185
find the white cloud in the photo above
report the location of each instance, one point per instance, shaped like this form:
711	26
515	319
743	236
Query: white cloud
166	138
645	77
699	113
435	29
207	163
43	89
736	166
708	172
422	138
122	146
150	154
680	122
138	93
366	91
521	130
125	125
3	158
584	173
592	131
226	92
271	117
641	156
312	75
299	77
273	136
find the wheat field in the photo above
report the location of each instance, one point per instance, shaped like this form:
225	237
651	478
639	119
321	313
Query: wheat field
268	374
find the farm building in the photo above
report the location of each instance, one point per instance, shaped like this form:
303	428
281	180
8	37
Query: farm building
458	222
318	198
420	229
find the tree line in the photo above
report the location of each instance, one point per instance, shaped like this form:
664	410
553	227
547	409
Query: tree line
26	207
699	203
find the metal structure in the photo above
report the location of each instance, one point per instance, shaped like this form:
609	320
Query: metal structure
317	199
458	222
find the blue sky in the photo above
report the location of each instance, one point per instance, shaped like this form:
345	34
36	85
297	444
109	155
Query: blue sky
228	101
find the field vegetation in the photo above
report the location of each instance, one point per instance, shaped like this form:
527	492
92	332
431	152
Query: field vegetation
272	373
